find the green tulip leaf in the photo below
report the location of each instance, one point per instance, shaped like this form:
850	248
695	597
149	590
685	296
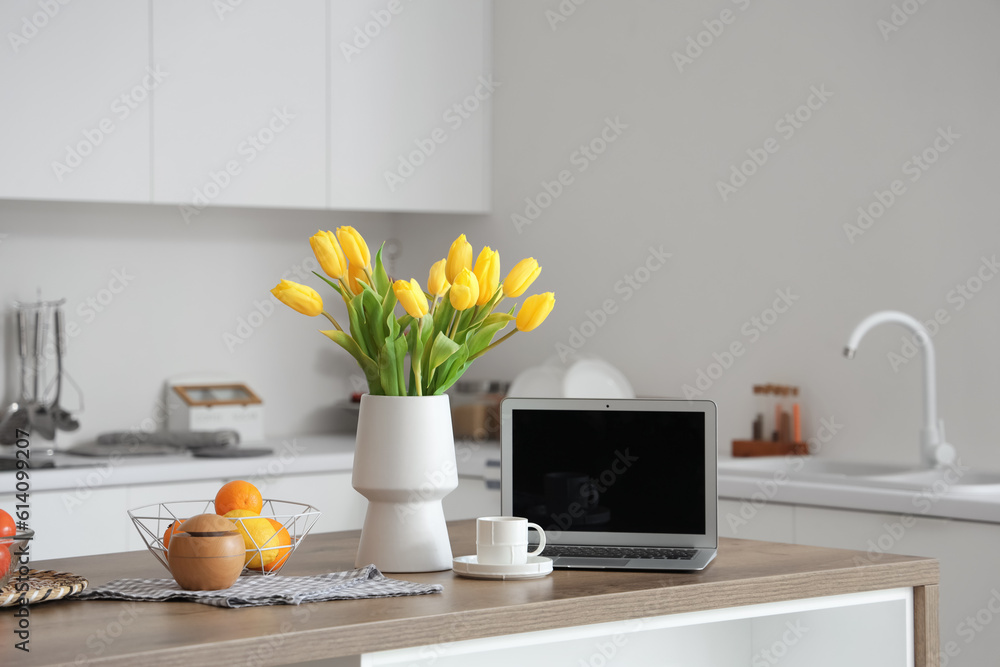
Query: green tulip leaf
329	282
367	364
381	278
442	348
373	315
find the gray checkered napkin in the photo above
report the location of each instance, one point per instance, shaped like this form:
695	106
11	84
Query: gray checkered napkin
365	582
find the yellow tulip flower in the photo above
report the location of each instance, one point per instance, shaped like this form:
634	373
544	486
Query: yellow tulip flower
534	311
354	247
298	297
411	296
521	277
437	281
354	274
488	274
459	257
464	290
328	254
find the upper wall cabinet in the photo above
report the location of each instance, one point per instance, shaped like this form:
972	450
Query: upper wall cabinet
410	92
241	117
363	105
76	82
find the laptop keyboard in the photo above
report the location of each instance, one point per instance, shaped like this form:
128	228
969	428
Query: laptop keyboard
568	551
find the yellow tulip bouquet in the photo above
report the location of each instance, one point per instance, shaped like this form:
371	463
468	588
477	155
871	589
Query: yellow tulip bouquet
443	330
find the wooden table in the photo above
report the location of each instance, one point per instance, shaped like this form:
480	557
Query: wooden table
186	634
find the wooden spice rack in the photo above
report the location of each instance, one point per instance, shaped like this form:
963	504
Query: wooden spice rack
768	448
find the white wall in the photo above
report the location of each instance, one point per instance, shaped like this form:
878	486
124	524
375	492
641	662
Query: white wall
656	185
179	308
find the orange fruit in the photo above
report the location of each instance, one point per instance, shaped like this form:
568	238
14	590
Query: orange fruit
256	531
238	495
174	527
283	540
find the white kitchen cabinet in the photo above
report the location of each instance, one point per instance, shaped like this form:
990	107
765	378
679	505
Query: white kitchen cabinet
76	81
241	119
340	506
410	96
968	552
472	499
747	520
78	522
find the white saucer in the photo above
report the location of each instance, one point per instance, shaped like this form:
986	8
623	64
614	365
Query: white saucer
469	566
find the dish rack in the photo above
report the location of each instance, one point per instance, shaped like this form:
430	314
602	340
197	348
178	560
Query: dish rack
297	518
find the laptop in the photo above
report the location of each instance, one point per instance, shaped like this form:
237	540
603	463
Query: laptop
616	483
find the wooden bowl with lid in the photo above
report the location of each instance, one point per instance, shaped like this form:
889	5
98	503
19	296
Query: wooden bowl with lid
207	554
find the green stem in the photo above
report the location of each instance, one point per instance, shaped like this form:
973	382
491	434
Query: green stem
332	321
415	360
492	345
450	332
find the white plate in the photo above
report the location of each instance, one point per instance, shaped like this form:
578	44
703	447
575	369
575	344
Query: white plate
595	378
469	566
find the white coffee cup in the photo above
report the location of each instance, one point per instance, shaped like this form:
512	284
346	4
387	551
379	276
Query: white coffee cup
503	540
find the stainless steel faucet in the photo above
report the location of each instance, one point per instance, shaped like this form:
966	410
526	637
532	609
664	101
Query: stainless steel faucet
934	451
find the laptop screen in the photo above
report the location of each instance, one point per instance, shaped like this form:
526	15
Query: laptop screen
638	467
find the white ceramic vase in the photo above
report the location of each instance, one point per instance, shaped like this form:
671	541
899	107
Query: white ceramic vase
404	464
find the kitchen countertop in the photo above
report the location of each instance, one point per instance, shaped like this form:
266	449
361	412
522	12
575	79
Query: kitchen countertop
292	455
951	502
181	633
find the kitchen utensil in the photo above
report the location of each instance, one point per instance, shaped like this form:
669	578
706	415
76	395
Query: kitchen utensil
503	540
40	415
15	416
62	418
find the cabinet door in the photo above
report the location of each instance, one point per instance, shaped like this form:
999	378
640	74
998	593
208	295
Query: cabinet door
410	93
769	522
241	119
472	499
967	551
77	83
83	521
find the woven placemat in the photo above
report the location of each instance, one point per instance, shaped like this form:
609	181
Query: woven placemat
43	586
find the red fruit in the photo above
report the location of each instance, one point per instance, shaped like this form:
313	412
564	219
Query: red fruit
4	559
7	527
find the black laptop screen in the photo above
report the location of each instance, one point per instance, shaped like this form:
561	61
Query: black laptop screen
610	471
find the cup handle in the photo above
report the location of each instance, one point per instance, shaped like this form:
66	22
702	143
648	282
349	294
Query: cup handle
541	539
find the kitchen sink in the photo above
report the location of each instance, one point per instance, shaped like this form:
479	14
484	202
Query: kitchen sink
955	479
800	466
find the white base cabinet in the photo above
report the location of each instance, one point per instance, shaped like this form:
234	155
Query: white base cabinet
872	629
969	554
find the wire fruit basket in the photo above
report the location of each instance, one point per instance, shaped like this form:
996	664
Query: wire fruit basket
268	558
